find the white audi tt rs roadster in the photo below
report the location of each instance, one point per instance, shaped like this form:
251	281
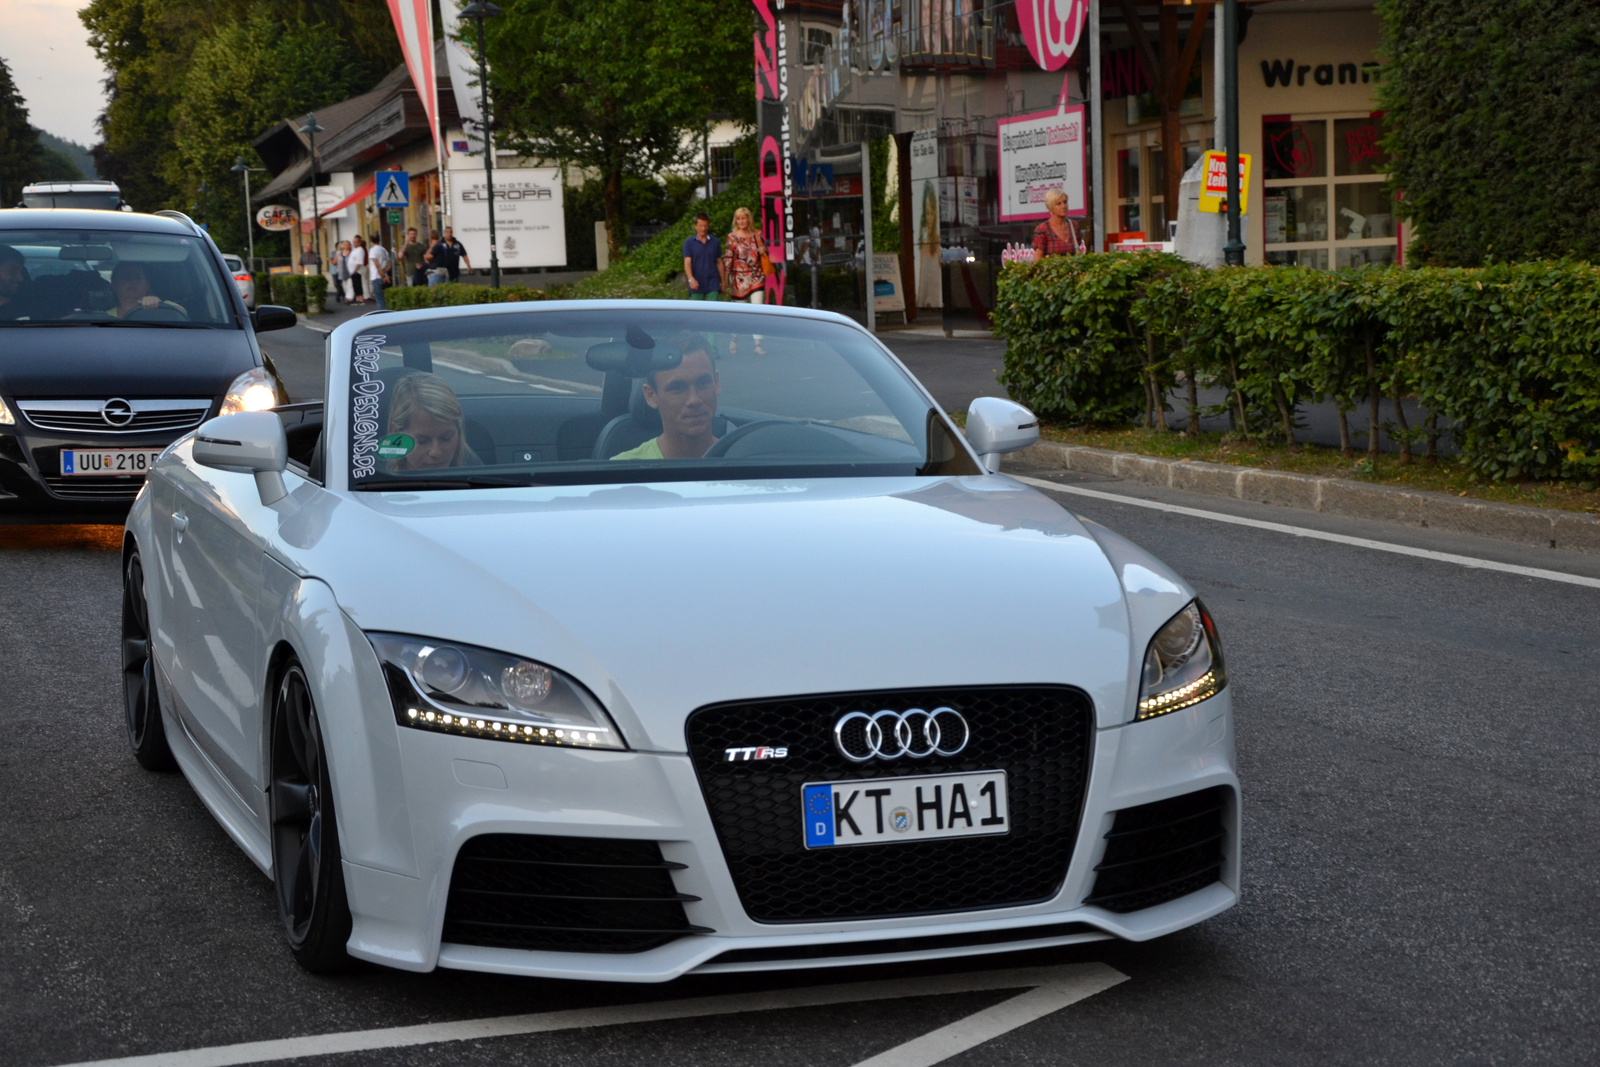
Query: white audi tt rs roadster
594	640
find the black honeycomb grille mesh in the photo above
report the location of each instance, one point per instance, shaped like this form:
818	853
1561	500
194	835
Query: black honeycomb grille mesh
1039	735
1162	851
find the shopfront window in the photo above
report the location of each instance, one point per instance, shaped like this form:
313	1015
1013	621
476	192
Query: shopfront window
1318	215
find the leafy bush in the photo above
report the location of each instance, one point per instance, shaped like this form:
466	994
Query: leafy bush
1506	354
454	294
316	289
289	290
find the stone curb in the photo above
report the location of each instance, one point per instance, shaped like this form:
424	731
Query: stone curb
1573	531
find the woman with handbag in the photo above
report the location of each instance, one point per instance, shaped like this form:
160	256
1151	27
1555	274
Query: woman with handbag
747	268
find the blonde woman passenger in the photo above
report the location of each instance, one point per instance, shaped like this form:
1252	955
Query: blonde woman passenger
427	411
741	259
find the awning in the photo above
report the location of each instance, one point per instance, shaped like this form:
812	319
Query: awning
367	188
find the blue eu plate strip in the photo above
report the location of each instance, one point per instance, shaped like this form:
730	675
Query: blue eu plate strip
817	802
66	466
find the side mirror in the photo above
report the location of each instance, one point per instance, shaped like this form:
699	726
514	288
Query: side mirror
996	426
248	442
272	317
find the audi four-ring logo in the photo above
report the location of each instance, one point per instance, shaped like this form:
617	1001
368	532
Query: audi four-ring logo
891	734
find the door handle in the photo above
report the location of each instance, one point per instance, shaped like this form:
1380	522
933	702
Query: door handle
180	523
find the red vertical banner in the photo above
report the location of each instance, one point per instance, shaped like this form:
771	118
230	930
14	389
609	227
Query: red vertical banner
413	22
772	131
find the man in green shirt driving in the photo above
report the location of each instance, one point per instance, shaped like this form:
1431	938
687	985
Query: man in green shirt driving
686	397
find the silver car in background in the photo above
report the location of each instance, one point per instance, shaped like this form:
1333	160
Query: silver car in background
242	278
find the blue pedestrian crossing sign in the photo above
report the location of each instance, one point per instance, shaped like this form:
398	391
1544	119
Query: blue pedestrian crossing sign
394	188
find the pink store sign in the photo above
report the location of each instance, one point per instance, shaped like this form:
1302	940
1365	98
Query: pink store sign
1040	152
1052	29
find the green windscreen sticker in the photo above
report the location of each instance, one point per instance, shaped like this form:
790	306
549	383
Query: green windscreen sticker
395	446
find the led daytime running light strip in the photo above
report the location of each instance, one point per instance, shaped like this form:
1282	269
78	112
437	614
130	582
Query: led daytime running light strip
503	731
1200	689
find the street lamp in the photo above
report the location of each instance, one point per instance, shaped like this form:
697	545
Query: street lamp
477	11
243	168
311	129
1233	251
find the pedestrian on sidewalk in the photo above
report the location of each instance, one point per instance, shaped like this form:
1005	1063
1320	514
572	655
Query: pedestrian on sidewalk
702	261
310	261
339	267
357	261
410	259
458	255
437	257
744	265
378	263
1057	235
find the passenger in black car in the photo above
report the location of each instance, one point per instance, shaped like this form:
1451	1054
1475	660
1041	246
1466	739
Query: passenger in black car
15	285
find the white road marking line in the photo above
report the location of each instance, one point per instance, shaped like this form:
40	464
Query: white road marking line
1321	535
319	329
1002	1018
456	366
1077	977
498	378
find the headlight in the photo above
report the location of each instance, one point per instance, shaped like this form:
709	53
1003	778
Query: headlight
254	390
459	689
1183	664
6	418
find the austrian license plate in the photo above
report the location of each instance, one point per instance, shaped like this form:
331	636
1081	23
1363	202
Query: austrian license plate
116	461
885	811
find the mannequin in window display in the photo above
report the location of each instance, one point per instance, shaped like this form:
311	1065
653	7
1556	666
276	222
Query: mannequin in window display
930	281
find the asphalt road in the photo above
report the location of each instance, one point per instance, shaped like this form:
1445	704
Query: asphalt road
1418	750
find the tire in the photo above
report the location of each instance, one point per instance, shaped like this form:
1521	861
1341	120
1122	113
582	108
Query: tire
141	704
307	876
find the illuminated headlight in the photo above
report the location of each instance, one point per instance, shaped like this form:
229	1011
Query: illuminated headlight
6	418
460	689
254	390
1183	664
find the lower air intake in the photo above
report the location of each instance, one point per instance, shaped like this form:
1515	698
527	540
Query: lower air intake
1162	851
564	894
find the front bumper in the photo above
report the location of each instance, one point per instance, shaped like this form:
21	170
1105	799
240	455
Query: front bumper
456	788
31	486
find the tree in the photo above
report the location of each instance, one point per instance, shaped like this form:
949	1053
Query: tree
19	141
617	87
1494	136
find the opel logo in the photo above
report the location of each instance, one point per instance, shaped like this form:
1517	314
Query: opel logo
889	735
117	412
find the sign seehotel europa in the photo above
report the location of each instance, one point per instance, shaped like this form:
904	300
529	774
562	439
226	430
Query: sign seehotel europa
1038	153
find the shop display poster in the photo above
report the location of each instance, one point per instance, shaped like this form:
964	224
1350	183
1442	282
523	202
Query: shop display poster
925	202
1038	153
1214	183
886	294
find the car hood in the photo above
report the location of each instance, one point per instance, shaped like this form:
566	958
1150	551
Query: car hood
125	361
664	598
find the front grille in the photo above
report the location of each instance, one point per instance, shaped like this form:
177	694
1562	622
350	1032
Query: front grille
1040	736
83	416
1160	852
94	487
564	894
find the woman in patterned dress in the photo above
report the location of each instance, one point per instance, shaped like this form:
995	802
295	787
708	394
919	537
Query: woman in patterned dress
742	256
1057	235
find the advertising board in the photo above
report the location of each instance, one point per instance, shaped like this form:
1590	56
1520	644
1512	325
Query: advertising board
528	221
1038	153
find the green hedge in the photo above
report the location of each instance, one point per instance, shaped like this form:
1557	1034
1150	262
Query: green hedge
454	294
289	290
1506	353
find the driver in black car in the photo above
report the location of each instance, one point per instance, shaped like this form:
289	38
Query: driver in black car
14	285
686	397
132	286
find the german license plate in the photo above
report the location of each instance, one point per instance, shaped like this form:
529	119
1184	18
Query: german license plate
115	461
885	811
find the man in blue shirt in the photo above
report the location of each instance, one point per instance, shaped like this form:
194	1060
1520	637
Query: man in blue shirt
702	261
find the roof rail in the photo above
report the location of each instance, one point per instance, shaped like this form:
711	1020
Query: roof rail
168	213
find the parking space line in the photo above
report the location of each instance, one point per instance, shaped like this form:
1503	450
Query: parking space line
1319	535
1060	986
1002	1018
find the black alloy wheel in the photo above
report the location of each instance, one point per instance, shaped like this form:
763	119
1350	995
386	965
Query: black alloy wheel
305	838
141	705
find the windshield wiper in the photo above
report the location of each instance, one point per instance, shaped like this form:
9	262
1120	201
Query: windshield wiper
478	481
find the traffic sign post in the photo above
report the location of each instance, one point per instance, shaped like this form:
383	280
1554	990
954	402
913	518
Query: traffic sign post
394	188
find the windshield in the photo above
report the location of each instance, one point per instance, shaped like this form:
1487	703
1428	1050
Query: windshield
625	395
109	278
87	199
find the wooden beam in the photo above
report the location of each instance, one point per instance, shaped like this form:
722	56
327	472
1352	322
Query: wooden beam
1141	41
1191	48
